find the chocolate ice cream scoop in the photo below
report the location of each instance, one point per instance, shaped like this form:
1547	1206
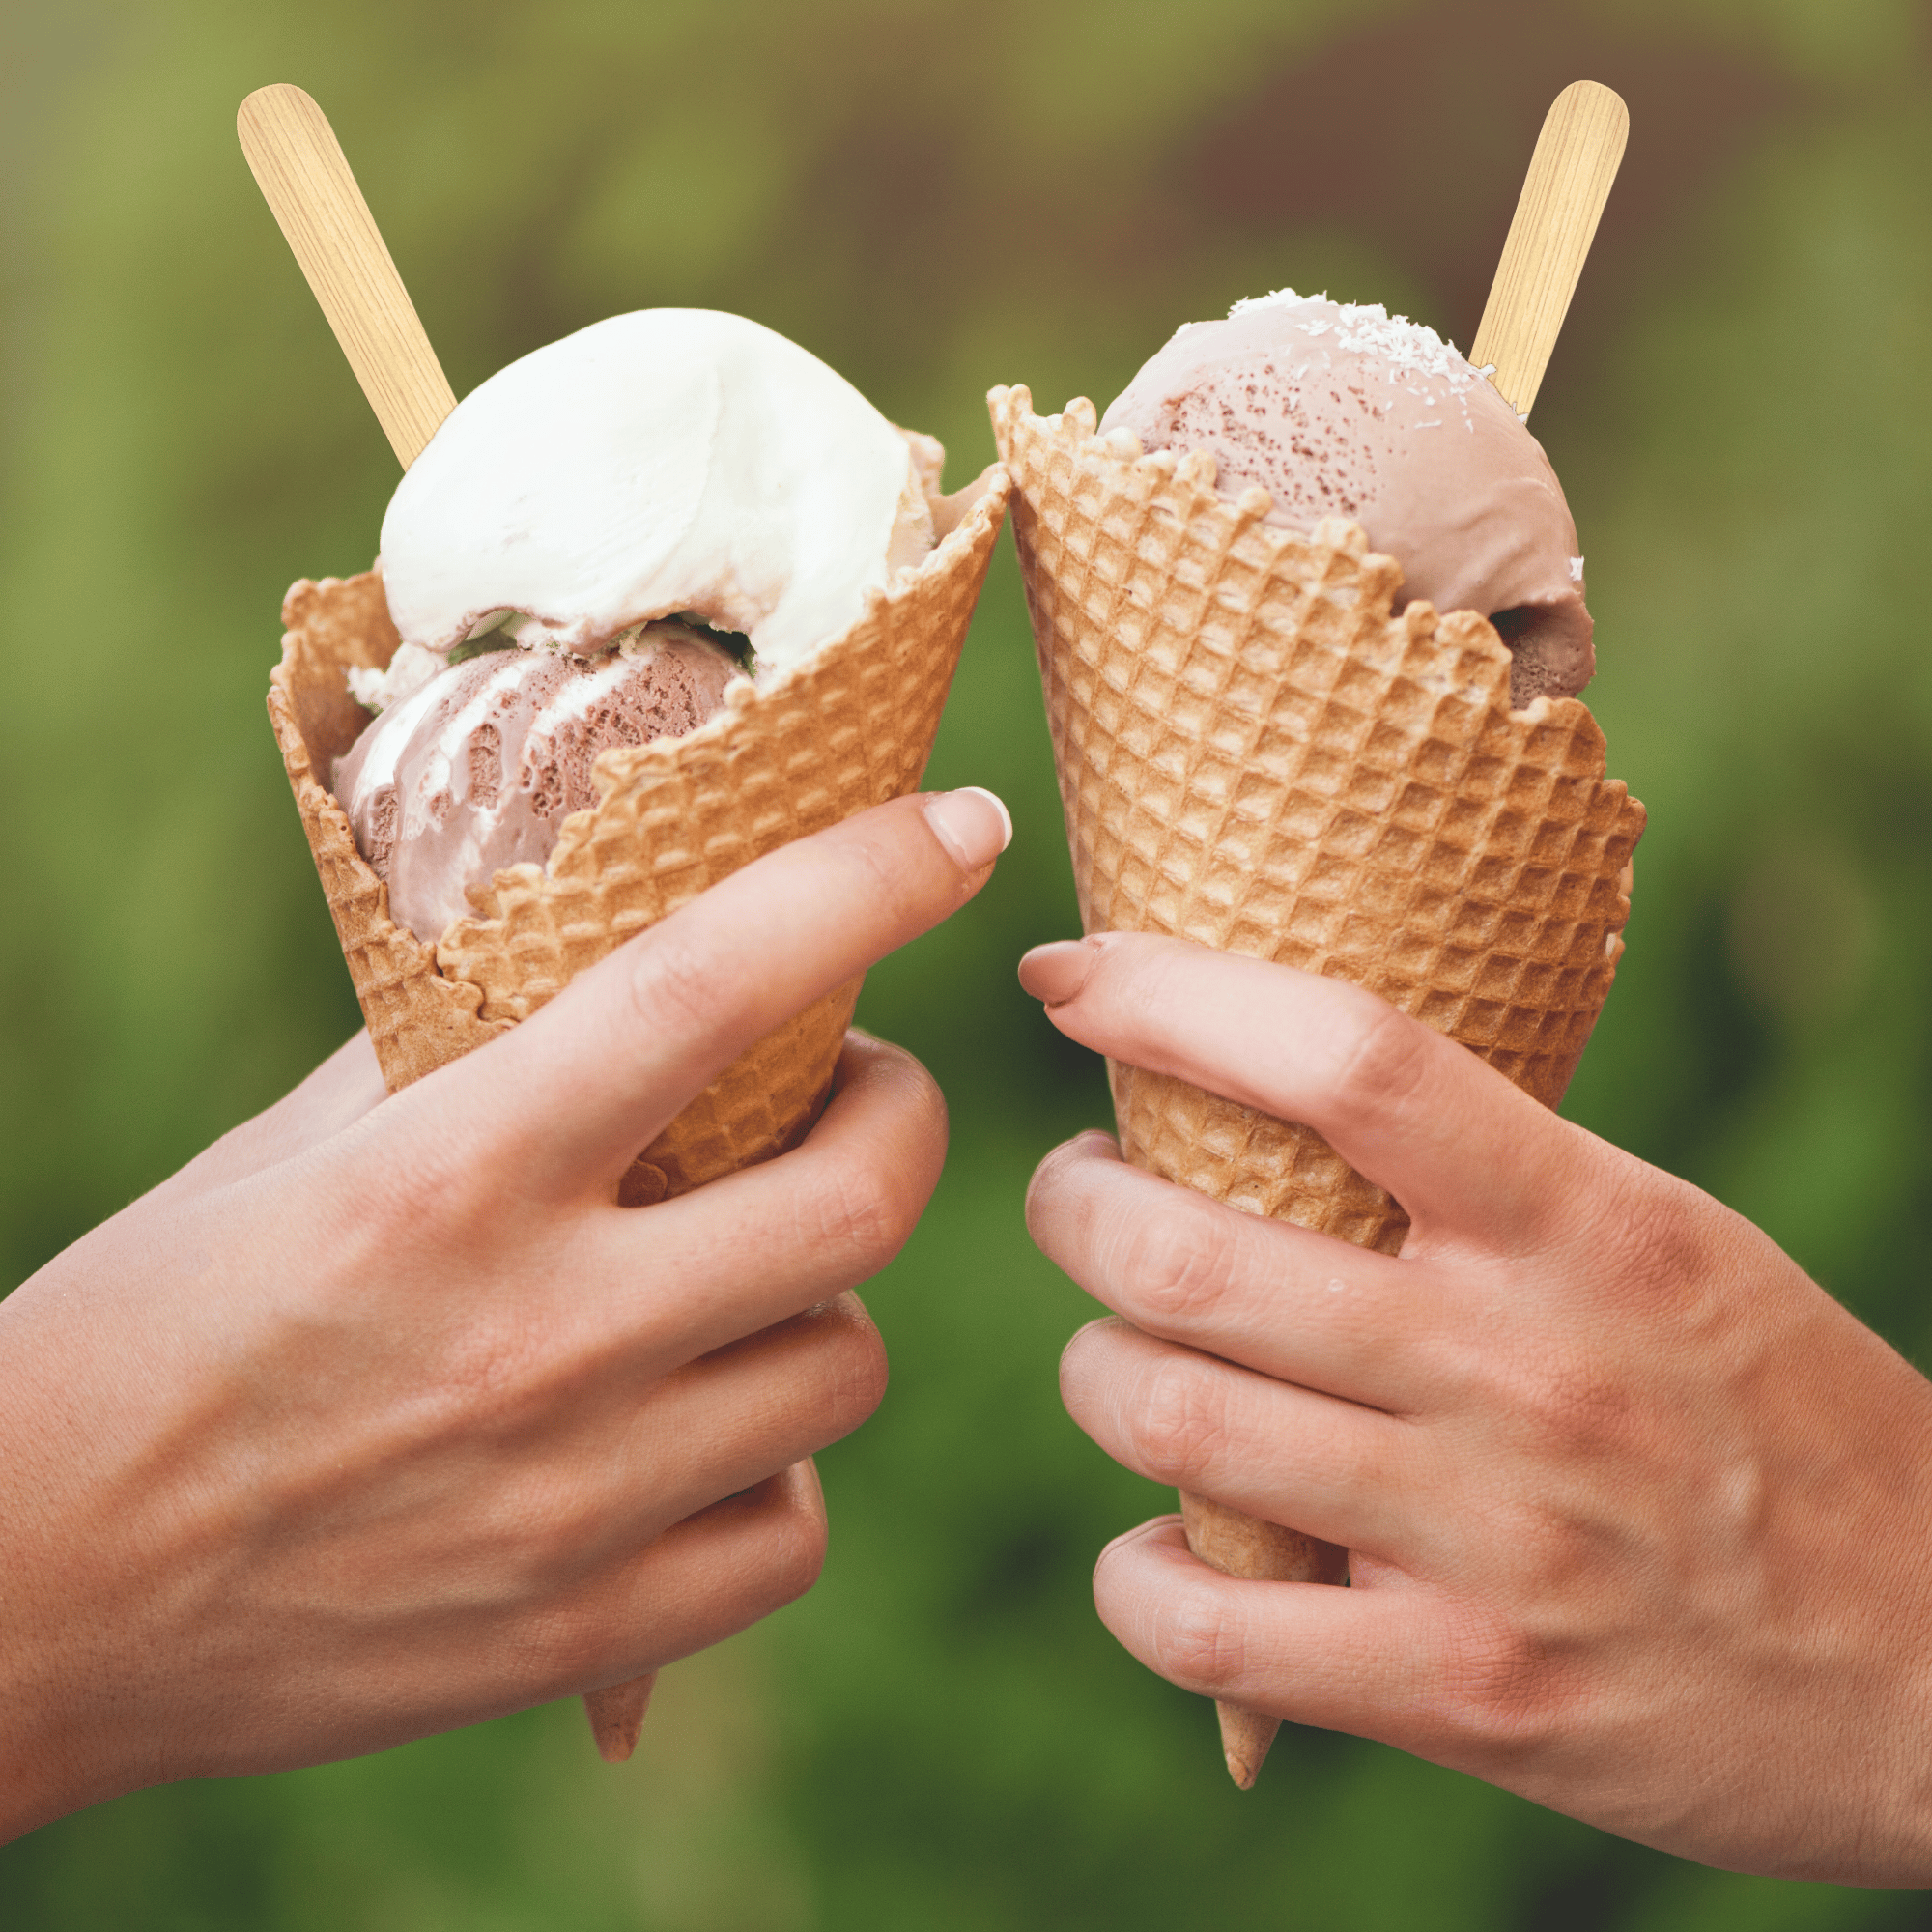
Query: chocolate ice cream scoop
1336	409
478	768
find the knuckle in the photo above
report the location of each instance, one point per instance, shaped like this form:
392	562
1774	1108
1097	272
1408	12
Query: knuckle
1077	1358
1382	1060
912	1086
1499	1691
1199	1640
1668	1237
438	1200
1045	1190
1623	1204
1175	1260
676	986
1177	1425
829	1377
936	1118
570	1644
492	1370
1583	1413
1564	1401
863	1212
543	1537
873	880
1093	1372
555	1535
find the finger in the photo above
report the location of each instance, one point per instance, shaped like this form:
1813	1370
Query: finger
681	1278
709	1576
565	1515
1295	1305
345	1087
701	1580
642	1457
568	1097
1416	1113
1331	1469
1369	1662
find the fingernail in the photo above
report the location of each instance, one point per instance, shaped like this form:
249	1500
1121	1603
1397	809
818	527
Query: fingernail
1056	973
1140	1533
972	824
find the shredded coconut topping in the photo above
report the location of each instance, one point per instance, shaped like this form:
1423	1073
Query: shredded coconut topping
1367	328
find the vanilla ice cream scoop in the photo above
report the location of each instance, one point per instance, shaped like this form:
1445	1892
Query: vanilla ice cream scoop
1340	410
671	461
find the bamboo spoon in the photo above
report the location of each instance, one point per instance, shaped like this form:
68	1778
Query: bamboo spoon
1575	161
1563	195
305	178
304	175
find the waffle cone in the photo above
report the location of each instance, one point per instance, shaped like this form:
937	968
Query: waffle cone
617	1716
849	729
1258	754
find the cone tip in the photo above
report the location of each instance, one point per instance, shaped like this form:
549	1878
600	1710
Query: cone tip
617	1716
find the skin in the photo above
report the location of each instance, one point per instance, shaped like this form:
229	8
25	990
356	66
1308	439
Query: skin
1636	1514
382	1418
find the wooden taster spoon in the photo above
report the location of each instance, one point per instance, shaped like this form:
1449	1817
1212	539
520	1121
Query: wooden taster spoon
1570	176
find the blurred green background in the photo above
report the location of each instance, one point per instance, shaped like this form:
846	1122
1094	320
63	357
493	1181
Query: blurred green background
935	199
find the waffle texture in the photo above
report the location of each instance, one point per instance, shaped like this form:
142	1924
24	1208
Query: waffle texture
1258	754
849	729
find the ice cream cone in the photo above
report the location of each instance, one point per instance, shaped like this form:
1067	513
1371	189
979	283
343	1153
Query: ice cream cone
1247	1546
1255	753
617	1716
850	728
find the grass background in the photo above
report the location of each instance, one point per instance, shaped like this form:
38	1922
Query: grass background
935	200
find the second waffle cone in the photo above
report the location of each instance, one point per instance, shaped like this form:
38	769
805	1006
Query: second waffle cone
1257	752
850	728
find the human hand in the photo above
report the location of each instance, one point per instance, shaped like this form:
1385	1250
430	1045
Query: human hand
1638	1515
383	1417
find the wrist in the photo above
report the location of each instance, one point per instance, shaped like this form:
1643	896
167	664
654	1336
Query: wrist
45	1771
63	1730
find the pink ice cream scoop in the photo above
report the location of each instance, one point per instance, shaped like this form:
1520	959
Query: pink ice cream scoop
1336	409
478	768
